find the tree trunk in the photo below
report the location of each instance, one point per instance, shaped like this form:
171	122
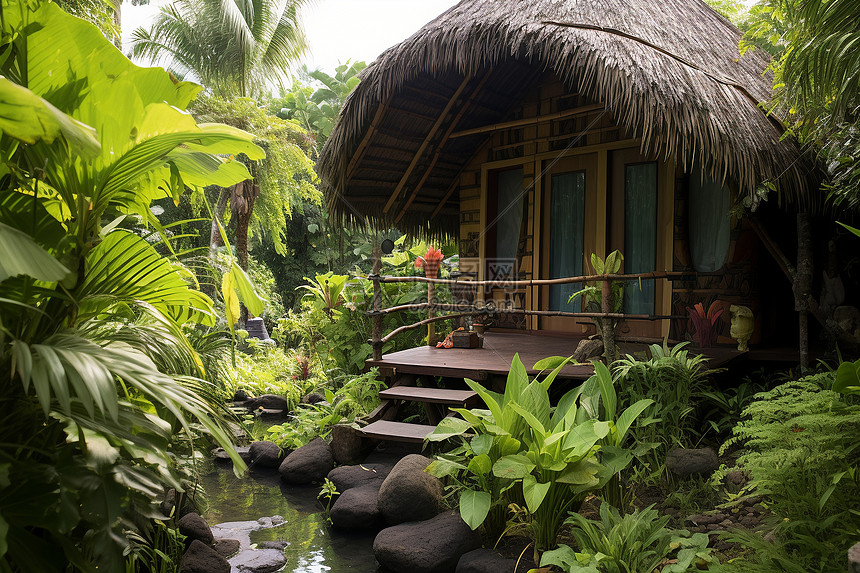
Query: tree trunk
803	285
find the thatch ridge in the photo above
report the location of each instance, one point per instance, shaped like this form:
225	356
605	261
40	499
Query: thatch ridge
676	109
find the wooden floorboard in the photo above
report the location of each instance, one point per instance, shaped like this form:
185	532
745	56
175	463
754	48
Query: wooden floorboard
494	358
397	431
500	347
430	395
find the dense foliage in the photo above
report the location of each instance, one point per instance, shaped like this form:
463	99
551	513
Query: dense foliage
103	378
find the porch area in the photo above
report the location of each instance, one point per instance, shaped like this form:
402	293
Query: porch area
494	359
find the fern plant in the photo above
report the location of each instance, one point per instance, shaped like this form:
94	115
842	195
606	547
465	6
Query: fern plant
802	451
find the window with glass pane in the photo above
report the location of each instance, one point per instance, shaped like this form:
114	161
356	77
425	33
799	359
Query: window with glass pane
567	233
640	234
710	221
510	218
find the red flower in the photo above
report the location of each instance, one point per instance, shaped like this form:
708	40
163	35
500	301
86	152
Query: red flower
431	256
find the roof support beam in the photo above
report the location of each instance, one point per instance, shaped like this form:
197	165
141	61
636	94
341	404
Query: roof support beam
441	144
362	147
426	142
529	120
456	182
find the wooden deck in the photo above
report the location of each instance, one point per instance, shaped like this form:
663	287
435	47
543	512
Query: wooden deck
498	351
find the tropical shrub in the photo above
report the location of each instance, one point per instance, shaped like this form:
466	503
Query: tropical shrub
637	542
673	379
101	375
552	456
801	450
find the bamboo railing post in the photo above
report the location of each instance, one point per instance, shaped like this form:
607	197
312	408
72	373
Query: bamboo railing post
606	323
376	334
432	339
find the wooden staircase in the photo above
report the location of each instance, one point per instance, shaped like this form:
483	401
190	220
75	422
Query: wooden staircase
436	403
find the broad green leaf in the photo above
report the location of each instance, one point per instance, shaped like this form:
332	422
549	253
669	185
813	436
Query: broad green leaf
448	428
125	267
492	399
582	473
440	467
508	445
515	466
517	381
582	437
530	419
550	362
474	507
20	255
626	419
607	389
481	465
29	118
853	230
547	382
231	301
481	444
847	378
534	492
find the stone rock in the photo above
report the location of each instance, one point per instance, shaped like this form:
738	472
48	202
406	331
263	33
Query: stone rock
310	463
432	546
268	402
312	398
168	504
195	527
259	561
409	493
854	559
588	348
256	328
685	462
200	558
484	561
346	444
273	545
265	454
226	547
221	455
347	477
357	508
240	396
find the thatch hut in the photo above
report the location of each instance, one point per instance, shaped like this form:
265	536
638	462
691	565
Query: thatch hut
541	131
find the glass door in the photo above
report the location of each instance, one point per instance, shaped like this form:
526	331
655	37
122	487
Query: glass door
569	225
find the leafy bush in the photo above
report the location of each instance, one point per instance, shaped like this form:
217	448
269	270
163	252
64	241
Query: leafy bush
549	457
673	379
801	449
638	542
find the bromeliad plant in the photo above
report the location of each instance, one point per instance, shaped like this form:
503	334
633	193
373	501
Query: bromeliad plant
705	323
527	451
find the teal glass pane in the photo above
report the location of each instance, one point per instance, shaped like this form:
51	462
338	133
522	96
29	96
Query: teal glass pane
566	237
510	213
640	234
710	221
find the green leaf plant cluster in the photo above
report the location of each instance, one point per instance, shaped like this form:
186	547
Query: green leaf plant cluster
638	542
675	380
801	449
100	375
526	452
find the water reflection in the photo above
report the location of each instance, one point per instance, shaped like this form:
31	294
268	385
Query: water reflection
313	546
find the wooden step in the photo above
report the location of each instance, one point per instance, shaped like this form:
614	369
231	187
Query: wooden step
397	431
430	395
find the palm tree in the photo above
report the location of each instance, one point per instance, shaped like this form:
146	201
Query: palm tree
233	47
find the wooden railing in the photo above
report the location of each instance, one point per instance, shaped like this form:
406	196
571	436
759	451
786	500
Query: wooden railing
480	308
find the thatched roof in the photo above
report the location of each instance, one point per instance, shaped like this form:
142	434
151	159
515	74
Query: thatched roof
669	72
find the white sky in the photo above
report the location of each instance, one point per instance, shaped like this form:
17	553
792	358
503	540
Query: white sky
337	29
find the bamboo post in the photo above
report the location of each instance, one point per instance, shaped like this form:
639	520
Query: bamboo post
432	339
376	334
606	323
803	285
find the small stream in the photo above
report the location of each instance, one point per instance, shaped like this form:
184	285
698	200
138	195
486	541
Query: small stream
314	546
